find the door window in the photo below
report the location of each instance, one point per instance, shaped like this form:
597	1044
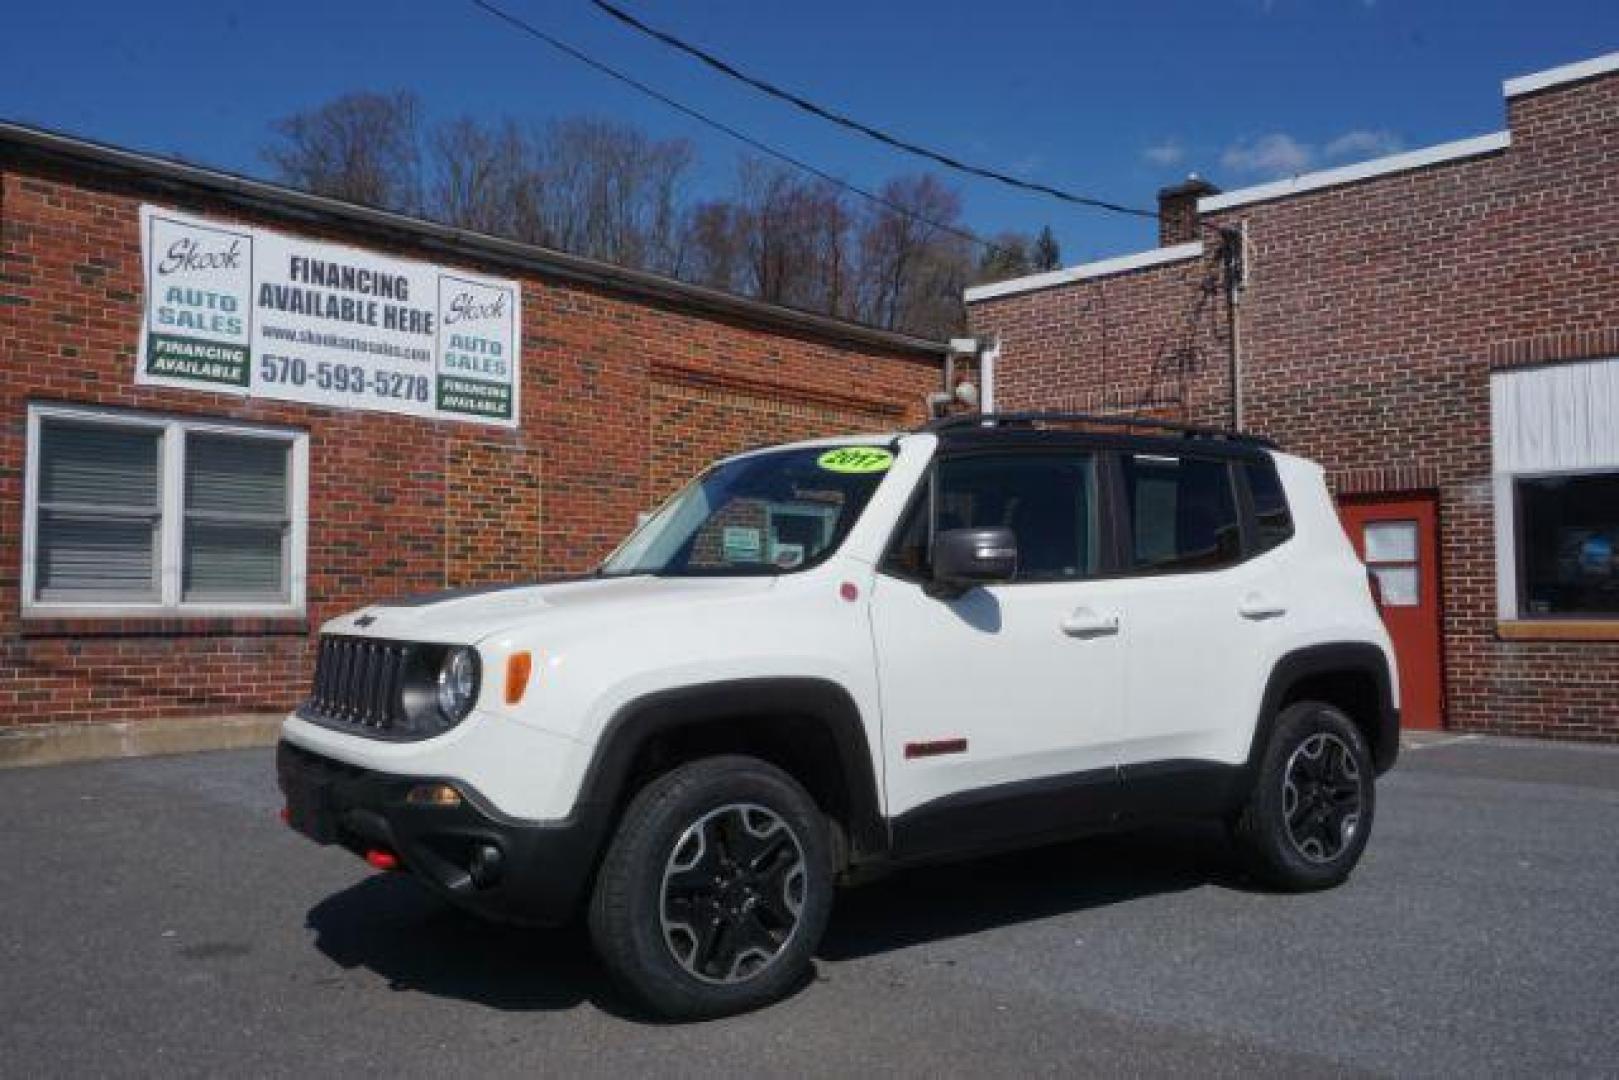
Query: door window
1049	502
1183	514
1391	556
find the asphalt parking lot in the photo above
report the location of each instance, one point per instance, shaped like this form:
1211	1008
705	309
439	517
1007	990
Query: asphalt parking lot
156	917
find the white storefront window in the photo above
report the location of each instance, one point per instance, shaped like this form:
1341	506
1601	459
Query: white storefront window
1555	449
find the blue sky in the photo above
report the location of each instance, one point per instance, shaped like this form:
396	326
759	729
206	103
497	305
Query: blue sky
1110	99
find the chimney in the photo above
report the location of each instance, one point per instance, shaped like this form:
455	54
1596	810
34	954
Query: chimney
1177	210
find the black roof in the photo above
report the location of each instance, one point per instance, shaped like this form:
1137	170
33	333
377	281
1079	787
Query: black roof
982	427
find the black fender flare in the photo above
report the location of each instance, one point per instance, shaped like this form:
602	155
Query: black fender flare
821	702
1359	657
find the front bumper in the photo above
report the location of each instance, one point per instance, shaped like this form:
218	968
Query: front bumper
501	868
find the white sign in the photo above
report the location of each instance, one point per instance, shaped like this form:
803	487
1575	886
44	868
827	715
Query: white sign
249	311
741	544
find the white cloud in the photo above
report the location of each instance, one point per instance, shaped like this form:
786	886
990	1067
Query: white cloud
1165	152
1271	155
1279	154
1360	145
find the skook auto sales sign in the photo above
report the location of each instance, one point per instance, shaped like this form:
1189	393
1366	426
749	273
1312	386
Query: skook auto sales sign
251	311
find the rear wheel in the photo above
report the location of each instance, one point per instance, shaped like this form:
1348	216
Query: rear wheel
715	890
1309	815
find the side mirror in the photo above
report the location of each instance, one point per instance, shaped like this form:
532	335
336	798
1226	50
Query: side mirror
963	558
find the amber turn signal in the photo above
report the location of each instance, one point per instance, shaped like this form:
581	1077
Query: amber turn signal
518	666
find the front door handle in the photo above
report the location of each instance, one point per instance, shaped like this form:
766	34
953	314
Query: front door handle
1086	622
1258	605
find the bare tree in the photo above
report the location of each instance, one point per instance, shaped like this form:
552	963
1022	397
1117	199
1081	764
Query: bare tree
913	267
716	239
362	147
485	177
794	237
612	193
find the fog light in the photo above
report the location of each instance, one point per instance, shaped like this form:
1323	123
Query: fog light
433	795
485	865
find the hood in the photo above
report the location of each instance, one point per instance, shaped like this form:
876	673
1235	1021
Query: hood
467	616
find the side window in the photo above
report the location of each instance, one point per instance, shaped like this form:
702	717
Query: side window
1049	502
908	554
1272	519
1183	514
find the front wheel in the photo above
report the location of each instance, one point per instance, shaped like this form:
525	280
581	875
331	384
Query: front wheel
715	890
1309	815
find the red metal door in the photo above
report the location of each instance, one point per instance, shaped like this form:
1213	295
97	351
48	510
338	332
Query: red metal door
1398	540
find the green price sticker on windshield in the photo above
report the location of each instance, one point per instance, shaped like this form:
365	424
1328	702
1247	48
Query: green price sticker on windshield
855	459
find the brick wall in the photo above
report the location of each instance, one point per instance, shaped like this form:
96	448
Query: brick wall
1151	339
622	397
1373	316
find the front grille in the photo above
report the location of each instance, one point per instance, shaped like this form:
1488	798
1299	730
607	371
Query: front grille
360	682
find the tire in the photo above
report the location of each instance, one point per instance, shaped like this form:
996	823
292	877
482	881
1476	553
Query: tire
715	890
1310	812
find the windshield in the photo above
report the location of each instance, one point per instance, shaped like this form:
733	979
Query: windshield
768	513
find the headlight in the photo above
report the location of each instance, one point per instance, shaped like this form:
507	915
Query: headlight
458	683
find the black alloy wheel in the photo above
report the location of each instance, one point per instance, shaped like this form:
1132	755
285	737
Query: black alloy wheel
715	889
733	892
1309	812
1322	797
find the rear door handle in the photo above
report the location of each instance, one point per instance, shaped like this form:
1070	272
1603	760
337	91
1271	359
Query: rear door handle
1257	605
1085	622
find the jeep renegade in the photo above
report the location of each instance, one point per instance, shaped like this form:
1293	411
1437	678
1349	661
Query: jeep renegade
823	659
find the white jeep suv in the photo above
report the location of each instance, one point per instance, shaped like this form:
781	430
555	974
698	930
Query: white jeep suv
826	658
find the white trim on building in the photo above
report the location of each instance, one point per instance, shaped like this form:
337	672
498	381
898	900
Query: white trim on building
1106	267
1363	170
1557	76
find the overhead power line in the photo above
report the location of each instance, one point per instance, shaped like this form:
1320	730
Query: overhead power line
849	122
518	23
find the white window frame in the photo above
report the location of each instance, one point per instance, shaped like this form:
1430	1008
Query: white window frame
1507	520
1574	437
171	521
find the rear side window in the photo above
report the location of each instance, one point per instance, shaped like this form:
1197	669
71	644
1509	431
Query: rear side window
1183	513
1272	519
1049	501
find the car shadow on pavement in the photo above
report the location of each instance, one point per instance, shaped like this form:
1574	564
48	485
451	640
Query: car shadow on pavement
390	925
395	927
942	902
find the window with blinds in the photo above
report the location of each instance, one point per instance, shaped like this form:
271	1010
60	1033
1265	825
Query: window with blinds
99	513
236	519
161	513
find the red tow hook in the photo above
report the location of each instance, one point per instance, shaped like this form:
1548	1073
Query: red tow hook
285	814
382	860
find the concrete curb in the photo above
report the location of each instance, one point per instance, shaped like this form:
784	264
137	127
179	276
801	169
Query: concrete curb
57	744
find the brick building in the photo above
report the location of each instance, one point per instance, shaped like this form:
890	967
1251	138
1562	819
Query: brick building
166	549
1440	329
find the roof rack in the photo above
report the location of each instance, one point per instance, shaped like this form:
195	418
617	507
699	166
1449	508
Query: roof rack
963	421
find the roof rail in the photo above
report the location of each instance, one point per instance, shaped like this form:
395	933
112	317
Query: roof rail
962	421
